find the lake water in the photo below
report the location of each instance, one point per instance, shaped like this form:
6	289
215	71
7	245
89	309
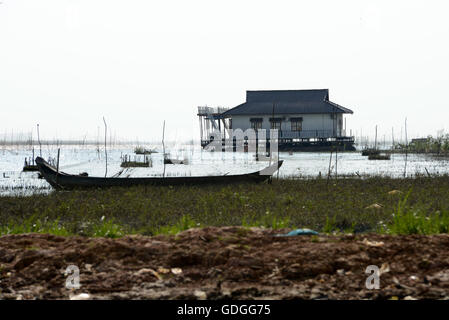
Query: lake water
77	159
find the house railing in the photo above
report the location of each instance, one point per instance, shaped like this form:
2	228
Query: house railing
310	134
288	134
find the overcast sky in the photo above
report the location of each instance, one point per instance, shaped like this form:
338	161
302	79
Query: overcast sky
67	63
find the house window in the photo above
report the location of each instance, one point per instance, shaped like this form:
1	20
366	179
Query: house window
296	124
275	123
256	123
230	123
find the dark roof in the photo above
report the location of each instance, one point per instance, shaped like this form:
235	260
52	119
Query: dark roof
287	102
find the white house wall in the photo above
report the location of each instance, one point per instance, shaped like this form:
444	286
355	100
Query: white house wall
310	121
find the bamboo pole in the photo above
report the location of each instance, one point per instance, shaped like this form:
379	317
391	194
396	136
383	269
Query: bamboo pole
392	143
163	147
375	141
406	148
392	137
336	162
329	171
271	136
336	144
57	166
39	140
105	147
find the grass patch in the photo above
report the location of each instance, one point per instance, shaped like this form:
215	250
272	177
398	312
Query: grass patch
267	221
107	229
185	223
286	203
330	225
416	220
34	224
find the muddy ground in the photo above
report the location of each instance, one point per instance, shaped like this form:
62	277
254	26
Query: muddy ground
228	262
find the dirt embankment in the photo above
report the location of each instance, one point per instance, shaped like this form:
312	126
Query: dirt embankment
228	262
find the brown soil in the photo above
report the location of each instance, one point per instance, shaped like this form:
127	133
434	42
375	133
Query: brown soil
228	262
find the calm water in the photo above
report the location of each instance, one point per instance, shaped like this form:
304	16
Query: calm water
76	159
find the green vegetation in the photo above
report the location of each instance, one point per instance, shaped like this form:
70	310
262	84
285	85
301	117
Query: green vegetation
330	225
142	150
435	145
266	221
416	220
185	223
34	224
349	205
107	228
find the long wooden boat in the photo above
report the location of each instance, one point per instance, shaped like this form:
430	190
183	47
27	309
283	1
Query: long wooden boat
61	180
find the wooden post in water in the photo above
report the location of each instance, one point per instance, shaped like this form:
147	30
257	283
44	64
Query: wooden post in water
336	144
406	148
39	140
392	143
336	162
105	147
163	147
98	142
329	172
272	115
279	131
57	161
392	137
57	166
375	141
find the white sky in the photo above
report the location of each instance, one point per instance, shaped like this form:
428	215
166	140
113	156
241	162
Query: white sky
65	64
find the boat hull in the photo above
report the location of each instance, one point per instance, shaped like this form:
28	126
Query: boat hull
61	180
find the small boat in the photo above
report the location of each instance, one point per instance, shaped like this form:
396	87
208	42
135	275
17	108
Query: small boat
141	150
379	157
370	152
168	160
29	165
174	161
135	164
128	163
61	180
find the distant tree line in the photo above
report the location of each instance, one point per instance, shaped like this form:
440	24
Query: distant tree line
436	145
